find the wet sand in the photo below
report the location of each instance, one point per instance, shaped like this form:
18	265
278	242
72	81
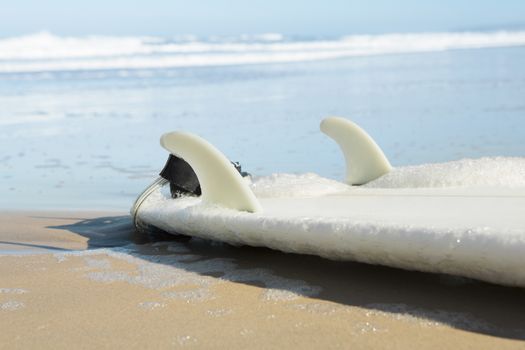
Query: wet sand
88	280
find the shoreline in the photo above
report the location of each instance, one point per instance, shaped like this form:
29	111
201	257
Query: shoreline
98	283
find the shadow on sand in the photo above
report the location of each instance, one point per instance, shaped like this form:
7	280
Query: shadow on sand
461	303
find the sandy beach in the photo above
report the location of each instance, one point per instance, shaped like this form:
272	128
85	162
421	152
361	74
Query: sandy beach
419	179
88	280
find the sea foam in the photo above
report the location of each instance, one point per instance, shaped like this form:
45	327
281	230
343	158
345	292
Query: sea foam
501	172
492	172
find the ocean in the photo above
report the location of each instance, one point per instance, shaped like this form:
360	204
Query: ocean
81	117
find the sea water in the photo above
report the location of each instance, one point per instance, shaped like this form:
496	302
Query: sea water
81	117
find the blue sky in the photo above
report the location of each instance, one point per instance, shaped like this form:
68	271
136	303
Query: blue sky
233	17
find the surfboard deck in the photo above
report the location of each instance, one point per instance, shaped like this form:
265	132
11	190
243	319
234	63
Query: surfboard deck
474	233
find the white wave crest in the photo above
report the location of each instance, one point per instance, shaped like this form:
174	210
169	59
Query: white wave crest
44	52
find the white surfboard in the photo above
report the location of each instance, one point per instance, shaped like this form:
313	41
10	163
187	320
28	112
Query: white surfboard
429	218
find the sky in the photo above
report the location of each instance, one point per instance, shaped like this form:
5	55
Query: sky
235	17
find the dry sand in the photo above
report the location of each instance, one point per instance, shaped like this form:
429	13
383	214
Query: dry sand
87	280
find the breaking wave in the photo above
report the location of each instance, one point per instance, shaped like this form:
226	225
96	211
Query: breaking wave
45	52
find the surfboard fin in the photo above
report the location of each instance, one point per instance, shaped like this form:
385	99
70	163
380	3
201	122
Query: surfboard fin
365	161
220	182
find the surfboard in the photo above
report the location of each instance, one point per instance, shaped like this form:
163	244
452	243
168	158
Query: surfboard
468	222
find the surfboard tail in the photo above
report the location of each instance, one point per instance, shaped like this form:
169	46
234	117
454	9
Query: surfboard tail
365	161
